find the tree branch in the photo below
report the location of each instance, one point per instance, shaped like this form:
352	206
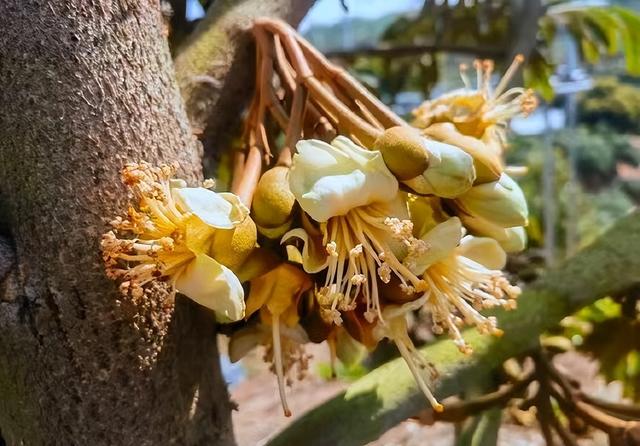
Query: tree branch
215	66
388	394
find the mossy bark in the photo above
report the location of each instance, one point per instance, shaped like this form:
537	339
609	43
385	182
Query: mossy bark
215	67
388	394
85	87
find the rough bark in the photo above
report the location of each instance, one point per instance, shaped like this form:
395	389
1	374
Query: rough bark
388	395
86	86
215	66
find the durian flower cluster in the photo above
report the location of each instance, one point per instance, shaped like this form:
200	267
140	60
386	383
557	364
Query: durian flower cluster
346	241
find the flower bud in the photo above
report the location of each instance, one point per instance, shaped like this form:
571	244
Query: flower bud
450	172
510	239
404	152
273	201
233	246
500	202
485	159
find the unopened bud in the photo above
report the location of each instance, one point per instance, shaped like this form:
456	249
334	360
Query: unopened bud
404	152
450	173
500	202
273	201
485	159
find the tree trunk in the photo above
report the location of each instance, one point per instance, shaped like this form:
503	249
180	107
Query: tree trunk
86	86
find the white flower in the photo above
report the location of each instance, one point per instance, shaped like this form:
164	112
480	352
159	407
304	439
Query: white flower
329	180
364	231
463	277
171	237
501	202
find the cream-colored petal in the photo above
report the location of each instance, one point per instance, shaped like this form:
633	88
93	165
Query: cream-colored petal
500	202
425	212
483	250
214	286
314	255
510	239
450	172
331	179
210	207
441	241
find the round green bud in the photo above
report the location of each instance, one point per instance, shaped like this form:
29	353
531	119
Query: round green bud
404	151
273	200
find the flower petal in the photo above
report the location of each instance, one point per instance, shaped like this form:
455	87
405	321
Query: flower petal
500	202
214	286
331	179
483	250
278	290
442	242
245	340
510	239
314	255
488	165
222	211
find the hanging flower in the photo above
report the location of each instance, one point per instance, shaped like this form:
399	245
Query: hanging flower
359	229
463	276
275	295
170	236
476	120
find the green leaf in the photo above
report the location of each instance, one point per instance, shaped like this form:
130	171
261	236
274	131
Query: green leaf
607	25
630	32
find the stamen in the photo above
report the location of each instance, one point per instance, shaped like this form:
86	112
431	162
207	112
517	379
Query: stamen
508	75
465	75
459	285
414	360
277	359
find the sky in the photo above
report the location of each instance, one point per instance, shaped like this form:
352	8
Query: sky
329	12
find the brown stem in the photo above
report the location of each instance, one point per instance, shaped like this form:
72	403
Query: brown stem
295	125
351	123
458	411
352	87
250	176
544	411
616	409
562	431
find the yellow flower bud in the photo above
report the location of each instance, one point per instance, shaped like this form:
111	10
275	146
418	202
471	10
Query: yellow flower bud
233	246
403	151
273	201
501	203
485	160
450	172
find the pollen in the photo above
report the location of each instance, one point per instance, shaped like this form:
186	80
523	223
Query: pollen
146	244
360	254
459	289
